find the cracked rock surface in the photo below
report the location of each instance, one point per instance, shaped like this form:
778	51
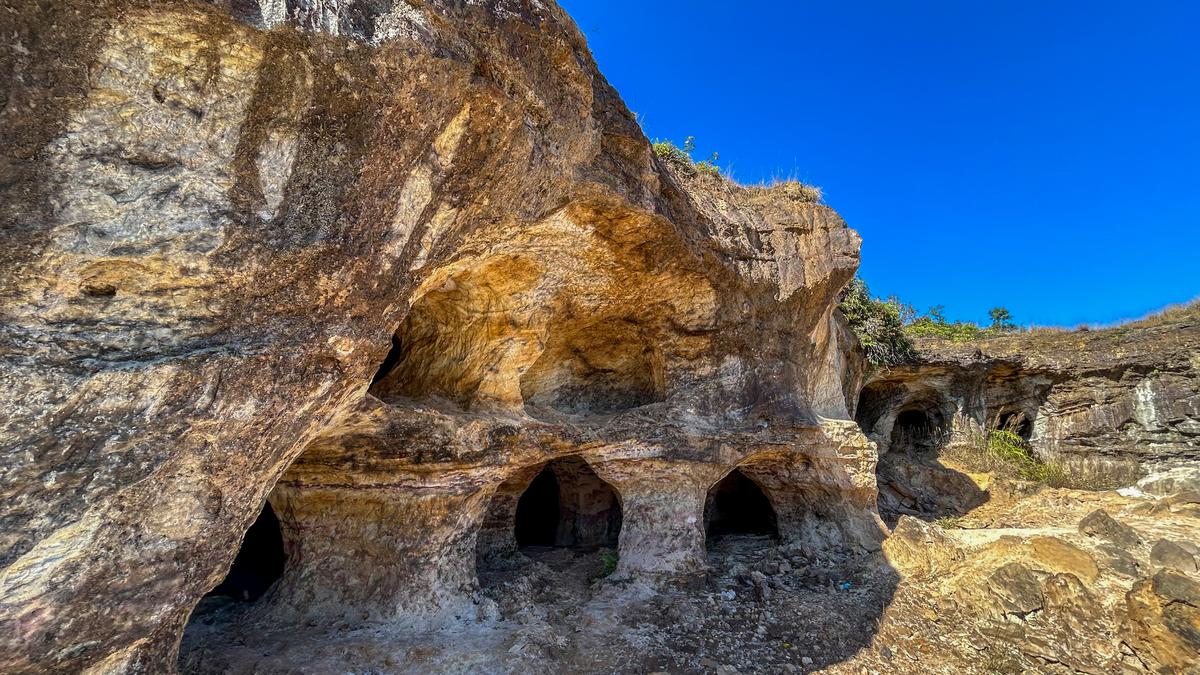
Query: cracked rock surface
220	219
371	275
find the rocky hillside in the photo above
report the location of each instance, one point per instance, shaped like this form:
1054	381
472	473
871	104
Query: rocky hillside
1095	399
348	336
402	255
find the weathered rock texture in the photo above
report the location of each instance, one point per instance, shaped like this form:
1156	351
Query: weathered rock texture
1026	594
219	219
1094	399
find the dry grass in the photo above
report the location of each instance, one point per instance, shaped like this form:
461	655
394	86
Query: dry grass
1161	317
795	188
1007	455
682	161
1167	315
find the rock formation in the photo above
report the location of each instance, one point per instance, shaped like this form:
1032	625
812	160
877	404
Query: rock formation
1027	595
1130	393
396	257
1116	401
401	287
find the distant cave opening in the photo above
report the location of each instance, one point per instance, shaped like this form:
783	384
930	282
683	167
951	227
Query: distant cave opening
568	505
736	505
1017	423
916	431
259	562
911	476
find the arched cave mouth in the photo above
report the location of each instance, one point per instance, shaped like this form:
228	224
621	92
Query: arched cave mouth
737	506
917	431
259	562
911	477
1015	422
567	505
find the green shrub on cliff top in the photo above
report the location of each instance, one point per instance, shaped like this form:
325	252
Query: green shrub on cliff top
878	325
934	324
681	158
672	153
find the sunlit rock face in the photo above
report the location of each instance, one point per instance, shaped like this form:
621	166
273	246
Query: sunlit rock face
220	219
1100	400
1107	405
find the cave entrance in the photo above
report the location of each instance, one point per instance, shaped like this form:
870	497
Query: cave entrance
259	562
911	476
915	432
567	505
538	512
561	515
1017	423
736	505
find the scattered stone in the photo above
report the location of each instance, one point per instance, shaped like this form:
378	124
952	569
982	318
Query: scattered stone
1061	556
1163	615
1172	481
1103	526
918	549
1170	555
1182	498
1118	560
1016	589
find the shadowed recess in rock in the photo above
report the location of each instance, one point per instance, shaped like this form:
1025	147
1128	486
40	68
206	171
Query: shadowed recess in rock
537	512
595	368
567	504
259	562
736	505
395	354
917	431
1016	422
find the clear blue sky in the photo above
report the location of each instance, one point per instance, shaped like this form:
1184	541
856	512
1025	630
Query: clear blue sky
1041	155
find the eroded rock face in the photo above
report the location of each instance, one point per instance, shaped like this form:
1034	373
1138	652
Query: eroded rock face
1032	594
1103	401
217	227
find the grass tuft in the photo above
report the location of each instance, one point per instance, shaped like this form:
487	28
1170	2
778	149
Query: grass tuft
948	522
1006	454
608	565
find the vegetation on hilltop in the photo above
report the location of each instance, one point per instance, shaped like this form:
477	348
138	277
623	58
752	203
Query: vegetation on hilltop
1165	316
878	325
886	328
681	159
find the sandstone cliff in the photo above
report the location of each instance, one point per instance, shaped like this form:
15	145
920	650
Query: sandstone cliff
1091	398
400	254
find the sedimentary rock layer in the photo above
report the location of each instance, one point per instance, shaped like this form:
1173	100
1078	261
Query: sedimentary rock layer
1090	398
220	220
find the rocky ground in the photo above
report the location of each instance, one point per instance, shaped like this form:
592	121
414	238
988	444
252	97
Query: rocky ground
761	608
1053	581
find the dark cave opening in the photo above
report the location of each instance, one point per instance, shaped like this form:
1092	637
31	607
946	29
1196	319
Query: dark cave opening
568	505
737	505
538	511
1017	423
394	355
259	562
915	431
911	475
